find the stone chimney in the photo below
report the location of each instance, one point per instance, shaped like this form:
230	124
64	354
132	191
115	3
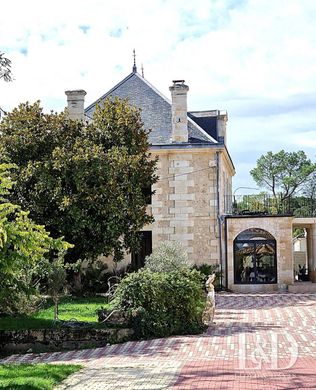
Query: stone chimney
75	100
179	111
222	119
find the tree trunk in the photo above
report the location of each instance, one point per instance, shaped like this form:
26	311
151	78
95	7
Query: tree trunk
77	281
55	299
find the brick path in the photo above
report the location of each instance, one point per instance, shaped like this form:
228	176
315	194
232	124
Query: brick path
260	341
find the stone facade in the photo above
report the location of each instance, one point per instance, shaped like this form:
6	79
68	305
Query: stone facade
194	167
281	229
185	200
191	202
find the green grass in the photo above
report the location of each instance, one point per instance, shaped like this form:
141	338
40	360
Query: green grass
82	309
34	376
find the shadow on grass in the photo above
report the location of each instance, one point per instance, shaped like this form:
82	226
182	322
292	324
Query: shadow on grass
81	309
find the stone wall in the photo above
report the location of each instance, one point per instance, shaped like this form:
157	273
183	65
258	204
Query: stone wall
281	228
185	201
58	339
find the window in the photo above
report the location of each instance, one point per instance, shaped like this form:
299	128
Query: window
255	257
147	193
138	258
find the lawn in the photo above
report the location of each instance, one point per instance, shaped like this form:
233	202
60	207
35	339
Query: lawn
81	309
34	376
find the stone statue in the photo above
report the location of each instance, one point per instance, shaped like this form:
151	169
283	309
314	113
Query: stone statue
208	314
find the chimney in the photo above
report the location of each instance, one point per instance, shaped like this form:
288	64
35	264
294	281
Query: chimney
222	119
75	100
179	111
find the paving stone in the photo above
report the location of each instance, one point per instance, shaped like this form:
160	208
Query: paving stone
259	341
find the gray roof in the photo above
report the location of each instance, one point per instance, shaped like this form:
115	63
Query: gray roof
155	110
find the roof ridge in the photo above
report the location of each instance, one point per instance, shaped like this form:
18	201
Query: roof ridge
110	91
153	88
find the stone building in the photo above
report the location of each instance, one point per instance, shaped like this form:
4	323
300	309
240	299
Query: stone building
192	201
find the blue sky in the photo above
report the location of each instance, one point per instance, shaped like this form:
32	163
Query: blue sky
256	59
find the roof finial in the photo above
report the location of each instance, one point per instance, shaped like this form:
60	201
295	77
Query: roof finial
134	66
142	71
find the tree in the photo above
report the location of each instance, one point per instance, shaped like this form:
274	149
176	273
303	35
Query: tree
84	181
24	248
283	171
5	68
168	256
309	188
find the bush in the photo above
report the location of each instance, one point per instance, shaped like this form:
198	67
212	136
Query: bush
163	304
25	248
209	269
168	256
94	277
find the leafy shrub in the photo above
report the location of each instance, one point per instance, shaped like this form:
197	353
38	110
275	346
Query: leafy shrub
24	250
161	304
209	269
168	256
94	277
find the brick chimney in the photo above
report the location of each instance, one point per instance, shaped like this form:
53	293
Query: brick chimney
75	100
179	111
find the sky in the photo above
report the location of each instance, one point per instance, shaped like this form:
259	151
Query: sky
254	58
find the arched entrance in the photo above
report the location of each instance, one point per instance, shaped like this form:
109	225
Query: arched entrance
255	257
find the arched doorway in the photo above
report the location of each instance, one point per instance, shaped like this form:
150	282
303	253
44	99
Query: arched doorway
255	257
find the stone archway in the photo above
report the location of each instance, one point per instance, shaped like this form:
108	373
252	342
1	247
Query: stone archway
255	259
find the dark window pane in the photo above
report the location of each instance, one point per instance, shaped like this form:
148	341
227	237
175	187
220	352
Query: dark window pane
138	258
147	194
255	257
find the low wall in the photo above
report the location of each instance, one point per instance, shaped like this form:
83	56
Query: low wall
58	339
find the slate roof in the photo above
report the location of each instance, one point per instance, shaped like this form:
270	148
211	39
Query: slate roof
156	112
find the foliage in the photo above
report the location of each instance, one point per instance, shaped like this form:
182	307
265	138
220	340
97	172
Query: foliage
298	232
167	256
303	206
94	277
84	181
5	68
56	275
283	171
34	376
162	304
24	246
309	188
82	309
209	269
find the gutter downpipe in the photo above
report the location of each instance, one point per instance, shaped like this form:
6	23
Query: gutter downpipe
226	270
219	218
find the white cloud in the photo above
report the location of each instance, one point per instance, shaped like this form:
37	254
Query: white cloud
252	58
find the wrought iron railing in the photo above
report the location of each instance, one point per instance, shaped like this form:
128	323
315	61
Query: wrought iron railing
265	204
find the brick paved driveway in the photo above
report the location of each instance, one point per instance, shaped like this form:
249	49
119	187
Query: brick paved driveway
260	341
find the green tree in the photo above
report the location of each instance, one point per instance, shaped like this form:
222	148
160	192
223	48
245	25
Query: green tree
5	68
168	256
309	188
84	181
283	172
24	247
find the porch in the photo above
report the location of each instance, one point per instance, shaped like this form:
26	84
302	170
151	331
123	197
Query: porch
245	213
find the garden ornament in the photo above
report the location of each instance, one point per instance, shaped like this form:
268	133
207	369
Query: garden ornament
208	314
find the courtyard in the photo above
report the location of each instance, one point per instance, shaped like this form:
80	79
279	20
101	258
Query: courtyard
259	341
